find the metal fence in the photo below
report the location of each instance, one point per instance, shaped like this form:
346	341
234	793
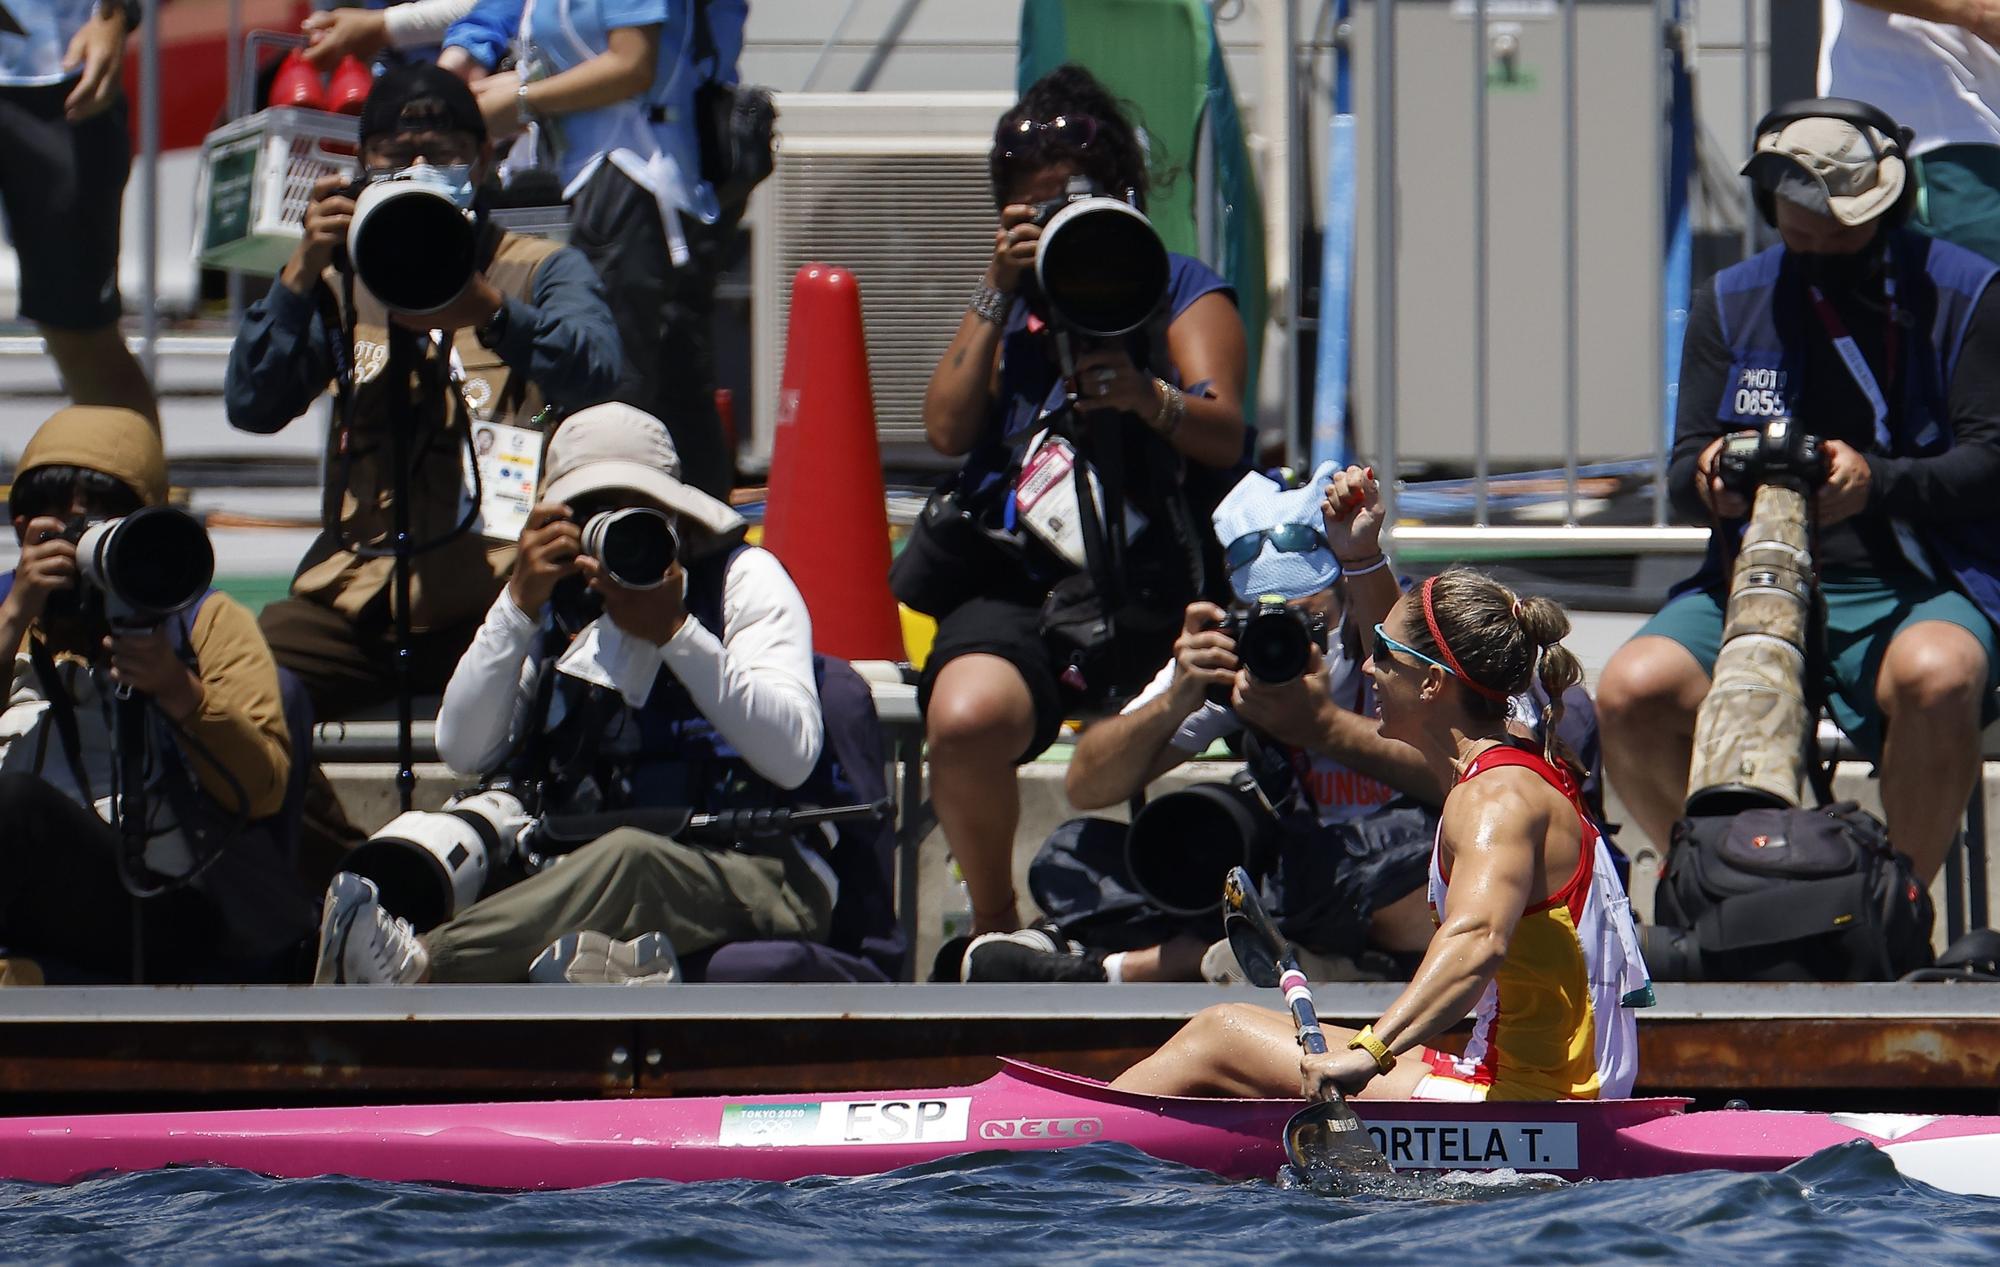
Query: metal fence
1666	241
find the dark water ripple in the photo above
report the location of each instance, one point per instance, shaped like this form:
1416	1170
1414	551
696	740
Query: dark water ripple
1103	1205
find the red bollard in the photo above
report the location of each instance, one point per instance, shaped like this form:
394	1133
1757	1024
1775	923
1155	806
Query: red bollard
349	85
297	84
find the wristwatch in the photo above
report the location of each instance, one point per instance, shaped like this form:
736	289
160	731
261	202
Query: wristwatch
495	329
132	9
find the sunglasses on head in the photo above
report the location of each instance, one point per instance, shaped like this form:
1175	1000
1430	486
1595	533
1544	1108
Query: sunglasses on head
1384	645
1285	539
1026	138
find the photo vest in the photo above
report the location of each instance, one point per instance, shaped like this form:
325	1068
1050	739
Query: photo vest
457	580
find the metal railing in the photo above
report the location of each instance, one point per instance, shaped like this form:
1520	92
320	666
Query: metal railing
1675	37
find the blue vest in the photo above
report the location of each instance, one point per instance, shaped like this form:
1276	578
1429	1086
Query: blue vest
1766	316
679	759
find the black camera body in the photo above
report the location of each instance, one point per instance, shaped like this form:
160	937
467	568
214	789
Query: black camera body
1076	190
1274	640
1778	453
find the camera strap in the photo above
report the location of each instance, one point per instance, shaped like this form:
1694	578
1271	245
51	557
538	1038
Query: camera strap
1857	364
62	711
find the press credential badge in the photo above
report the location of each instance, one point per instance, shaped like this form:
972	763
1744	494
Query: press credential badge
510	469
1046	495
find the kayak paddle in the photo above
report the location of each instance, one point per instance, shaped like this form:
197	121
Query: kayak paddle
1320	1137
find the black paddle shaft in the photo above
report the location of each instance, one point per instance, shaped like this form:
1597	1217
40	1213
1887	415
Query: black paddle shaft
1246	910
1320	1138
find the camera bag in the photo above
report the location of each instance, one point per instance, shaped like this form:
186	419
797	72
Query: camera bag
951	555
1796	895
1116	620
734	124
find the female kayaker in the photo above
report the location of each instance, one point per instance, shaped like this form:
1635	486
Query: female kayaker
1534	934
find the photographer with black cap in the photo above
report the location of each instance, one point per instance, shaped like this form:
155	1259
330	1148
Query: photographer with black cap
520	335
1159	399
1884	344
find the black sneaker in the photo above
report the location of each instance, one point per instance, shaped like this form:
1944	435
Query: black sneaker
1032	954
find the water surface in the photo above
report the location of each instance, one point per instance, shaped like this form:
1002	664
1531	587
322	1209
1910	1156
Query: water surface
1100	1204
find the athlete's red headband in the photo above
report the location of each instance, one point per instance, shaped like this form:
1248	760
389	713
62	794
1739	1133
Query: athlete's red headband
1444	649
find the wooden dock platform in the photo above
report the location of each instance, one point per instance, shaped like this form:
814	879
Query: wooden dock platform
1935	1046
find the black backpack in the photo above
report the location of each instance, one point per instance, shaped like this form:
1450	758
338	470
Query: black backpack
1793	895
735	124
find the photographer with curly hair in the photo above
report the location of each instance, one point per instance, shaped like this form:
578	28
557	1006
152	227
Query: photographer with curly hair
1162	403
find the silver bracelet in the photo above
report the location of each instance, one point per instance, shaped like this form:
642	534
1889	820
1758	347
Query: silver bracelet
990	304
1381	561
1173	408
524	111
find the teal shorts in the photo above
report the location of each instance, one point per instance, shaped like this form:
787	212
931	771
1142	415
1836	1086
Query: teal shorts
1863	614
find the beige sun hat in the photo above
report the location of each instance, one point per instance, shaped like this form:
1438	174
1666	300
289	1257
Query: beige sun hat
622	446
1834	166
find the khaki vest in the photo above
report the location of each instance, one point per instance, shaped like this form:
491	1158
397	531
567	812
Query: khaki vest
456	581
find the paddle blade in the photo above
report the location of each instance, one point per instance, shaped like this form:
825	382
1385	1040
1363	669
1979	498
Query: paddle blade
1329	1137
1253	953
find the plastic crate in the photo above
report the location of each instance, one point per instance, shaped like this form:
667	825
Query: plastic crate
257	175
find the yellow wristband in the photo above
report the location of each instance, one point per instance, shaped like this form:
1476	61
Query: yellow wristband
1375	1047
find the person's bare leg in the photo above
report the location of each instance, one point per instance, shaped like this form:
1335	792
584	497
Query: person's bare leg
98	369
1232	1049
1239	1050
1929	689
980	719
1647	698
1177	959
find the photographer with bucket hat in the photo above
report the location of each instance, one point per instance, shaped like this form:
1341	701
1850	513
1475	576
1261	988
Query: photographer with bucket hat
1335	820
1884	344
588	695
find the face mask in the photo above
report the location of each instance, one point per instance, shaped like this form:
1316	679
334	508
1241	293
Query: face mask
1841	272
453	180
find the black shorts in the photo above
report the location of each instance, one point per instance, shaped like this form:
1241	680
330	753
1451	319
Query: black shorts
62	188
1012	631
1326	887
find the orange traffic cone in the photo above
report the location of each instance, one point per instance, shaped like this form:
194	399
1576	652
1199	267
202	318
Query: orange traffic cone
825	517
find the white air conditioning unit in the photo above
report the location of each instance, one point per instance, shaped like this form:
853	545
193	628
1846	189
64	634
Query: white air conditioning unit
893	187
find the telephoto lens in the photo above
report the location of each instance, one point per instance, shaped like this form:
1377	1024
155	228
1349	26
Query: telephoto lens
429	866
411	242
149	564
636	545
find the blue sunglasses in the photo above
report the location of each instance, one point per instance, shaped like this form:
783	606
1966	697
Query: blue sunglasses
1384	644
1285	538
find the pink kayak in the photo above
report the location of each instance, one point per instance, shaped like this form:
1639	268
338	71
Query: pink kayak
572	1144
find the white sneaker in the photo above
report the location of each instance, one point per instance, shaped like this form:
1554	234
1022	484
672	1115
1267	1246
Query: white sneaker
362	944
593	958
